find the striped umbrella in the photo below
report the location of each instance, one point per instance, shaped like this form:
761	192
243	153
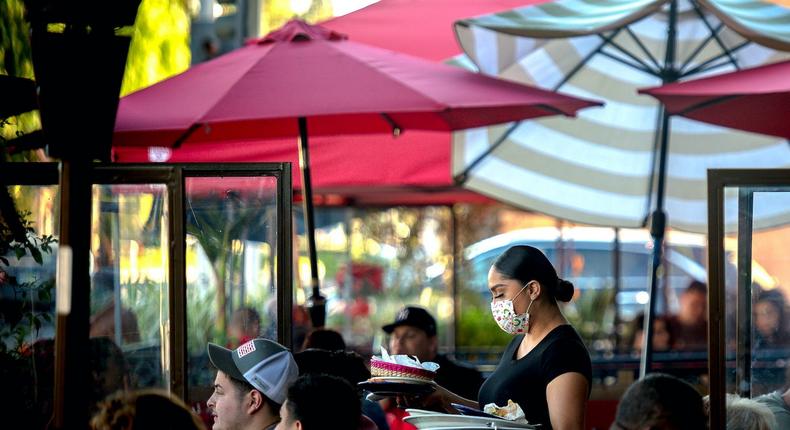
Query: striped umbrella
601	168
622	164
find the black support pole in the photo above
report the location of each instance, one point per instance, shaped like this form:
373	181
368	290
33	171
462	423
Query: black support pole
659	217
743	362
316	304
73	297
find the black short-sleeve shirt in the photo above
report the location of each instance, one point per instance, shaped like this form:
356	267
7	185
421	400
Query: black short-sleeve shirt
525	380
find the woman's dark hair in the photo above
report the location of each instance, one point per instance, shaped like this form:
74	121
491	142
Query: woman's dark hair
323	401
322	338
348	365
776	299
145	409
525	263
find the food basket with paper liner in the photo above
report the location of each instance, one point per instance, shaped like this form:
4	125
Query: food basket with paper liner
400	374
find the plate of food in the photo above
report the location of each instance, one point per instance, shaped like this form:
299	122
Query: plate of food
439	420
404	379
466	410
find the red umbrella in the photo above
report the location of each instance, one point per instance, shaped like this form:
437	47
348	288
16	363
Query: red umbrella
756	99
305	71
362	170
269	89
429	24
415	168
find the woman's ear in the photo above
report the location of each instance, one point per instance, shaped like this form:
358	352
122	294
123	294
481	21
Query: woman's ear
534	289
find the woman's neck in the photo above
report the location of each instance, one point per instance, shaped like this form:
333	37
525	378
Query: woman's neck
539	326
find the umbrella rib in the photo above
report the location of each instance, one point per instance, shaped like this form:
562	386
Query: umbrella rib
713	66
396	129
181	139
699	48
706	103
714	34
701	67
642	47
586	58
645	66
462	177
629	64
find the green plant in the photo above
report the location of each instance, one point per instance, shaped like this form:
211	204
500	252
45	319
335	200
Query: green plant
25	307
21	318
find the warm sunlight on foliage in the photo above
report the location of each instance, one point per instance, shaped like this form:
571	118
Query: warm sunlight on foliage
16	60
160	44
275	13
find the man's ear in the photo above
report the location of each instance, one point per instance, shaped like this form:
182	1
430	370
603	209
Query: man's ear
298	425
254	401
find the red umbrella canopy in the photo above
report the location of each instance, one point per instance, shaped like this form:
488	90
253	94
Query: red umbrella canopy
429	24
755	99
343	87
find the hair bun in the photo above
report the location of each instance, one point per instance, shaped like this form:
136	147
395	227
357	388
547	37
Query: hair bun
564	291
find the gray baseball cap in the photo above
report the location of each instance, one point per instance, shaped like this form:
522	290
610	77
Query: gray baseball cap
265	364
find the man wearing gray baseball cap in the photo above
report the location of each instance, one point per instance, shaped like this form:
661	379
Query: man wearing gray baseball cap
252	382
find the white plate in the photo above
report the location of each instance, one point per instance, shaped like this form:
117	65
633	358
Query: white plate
435	420
399	379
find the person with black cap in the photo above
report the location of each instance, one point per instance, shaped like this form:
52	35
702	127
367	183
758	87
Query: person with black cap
251	384
546	368
414	333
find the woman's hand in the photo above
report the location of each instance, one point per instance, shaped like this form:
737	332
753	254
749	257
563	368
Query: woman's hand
439	400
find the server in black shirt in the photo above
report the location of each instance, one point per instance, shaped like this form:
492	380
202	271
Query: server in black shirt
546	368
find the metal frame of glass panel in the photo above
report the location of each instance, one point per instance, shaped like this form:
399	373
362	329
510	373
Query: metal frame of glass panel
758	180
173	176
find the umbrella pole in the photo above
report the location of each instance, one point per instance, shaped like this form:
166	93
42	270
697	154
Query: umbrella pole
657	229
316	304
669	73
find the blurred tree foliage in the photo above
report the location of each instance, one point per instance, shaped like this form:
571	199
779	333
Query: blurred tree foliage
159	49
160	44
275	13
16	59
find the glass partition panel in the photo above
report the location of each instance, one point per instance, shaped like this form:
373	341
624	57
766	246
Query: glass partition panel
757	289
374	261
129	321
231	288
749	215
27	304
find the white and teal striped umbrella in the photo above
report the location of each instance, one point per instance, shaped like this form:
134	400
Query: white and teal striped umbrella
600	168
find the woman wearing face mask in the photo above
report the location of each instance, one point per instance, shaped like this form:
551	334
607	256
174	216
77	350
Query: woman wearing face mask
546	368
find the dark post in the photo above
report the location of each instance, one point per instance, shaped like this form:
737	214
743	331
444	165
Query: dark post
79	60
316	304
659	218
743	363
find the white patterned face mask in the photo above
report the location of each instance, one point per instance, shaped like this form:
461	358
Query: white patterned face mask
505	315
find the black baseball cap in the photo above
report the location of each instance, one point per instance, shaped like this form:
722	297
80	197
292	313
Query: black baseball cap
413	316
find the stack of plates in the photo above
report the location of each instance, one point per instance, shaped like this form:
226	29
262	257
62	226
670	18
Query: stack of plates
429	420
394	386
